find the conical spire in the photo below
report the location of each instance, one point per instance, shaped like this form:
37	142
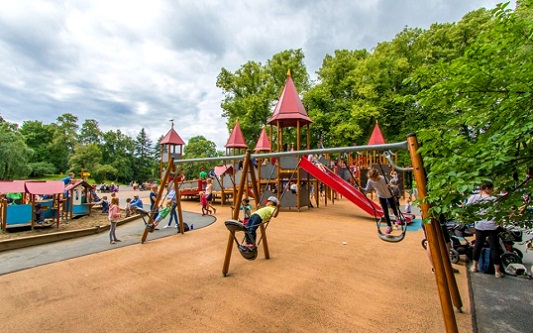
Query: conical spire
289	109
263	144
236	139
377	137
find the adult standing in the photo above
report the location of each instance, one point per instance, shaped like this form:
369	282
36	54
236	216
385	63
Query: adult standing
209	194
153	199
485	228
173	214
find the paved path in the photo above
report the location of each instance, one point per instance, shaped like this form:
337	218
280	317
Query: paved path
129	233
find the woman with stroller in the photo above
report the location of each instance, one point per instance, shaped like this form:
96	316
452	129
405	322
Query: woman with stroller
485	228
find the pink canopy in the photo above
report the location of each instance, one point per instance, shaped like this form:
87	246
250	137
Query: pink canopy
45	187
12	186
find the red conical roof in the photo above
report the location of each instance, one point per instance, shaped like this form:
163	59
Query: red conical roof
171	138
377	137
289	108
263	144
236	139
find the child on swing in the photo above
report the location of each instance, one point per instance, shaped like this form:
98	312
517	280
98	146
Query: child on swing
259	216
163	213
378	183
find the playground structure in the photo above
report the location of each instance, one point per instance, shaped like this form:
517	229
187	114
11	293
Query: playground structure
78	199
446	283
55	200
21	212
288	176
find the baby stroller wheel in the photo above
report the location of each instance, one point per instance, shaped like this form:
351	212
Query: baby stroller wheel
454	256
517	252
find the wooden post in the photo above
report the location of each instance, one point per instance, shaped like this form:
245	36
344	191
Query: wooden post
181	229
164	182
236	204
432	237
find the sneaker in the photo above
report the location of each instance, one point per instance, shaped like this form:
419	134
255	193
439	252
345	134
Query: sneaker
167	226
389	230
499	275
473	269
176	226
398	222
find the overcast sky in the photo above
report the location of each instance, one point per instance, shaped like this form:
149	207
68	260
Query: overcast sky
136	63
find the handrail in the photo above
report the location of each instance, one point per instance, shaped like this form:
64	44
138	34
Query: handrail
382	147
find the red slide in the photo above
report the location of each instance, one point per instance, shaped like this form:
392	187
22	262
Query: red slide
343	187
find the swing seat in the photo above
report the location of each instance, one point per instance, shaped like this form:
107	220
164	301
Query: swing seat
247	252
146	214
388	237
234	225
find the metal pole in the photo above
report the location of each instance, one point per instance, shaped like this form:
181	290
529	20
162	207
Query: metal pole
432	236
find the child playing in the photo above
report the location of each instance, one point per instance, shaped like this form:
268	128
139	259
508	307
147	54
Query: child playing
114	215
105	205
163	213
259	216
38	214
377	182
396	192
204	203
127	208
247	209
407	208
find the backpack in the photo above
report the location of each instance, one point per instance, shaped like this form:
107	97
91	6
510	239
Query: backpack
485	262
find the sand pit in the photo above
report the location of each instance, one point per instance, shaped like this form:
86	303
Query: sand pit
328	272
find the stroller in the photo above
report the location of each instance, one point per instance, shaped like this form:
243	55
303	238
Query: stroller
458	238
460	244
511	257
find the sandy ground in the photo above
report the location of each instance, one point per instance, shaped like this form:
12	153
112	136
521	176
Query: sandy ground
312	283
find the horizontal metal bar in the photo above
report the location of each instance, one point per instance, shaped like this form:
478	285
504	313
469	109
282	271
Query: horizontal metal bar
382	147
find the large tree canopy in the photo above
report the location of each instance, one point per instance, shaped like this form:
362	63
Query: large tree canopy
485	100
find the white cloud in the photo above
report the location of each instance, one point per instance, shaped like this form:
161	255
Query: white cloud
138	64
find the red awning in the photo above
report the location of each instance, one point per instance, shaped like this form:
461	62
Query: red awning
45	187
12	186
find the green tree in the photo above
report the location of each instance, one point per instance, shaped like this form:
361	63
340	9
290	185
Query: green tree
486	97
14	154
90	132
198	147
87	157
64	140
251	92
145	163
104	173
37	136
118	151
